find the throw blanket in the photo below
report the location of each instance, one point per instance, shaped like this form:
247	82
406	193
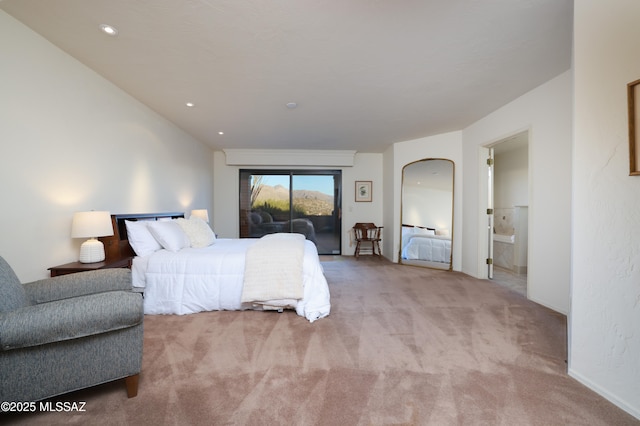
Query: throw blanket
273	269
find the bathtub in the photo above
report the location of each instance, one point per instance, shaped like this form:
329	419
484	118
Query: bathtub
503	251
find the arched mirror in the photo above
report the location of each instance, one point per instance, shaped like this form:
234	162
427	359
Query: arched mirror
427	213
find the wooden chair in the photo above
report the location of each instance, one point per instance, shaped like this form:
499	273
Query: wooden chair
367	233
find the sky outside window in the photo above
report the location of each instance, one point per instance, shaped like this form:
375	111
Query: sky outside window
322	184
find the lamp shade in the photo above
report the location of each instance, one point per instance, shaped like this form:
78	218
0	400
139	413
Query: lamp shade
201	213
91	224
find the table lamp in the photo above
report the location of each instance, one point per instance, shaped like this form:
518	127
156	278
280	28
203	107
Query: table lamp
91	225
201	213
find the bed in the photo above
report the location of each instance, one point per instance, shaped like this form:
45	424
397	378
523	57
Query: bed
208	273
422	243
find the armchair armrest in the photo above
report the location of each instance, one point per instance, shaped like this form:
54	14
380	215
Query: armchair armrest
69	319
78	284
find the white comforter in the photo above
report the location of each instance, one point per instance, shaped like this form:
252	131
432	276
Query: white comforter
211	278
428	247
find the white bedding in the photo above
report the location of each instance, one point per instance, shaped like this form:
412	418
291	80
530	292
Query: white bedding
434	248
211	278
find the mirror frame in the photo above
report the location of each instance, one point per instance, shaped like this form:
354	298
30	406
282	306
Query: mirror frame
420	263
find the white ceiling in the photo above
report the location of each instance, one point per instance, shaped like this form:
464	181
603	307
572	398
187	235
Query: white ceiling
364	73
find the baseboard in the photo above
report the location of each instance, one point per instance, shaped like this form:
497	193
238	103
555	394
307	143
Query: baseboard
634	411
547	305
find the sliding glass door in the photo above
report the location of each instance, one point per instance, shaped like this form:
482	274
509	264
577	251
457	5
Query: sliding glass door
302	201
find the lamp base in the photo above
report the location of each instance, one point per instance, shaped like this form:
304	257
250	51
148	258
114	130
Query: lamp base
91	251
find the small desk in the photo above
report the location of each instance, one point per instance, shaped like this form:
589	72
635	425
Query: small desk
73	267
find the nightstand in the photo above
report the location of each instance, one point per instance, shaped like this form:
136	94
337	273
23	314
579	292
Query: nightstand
73	267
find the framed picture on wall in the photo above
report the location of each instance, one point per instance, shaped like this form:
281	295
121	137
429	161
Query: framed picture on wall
633	99
363	190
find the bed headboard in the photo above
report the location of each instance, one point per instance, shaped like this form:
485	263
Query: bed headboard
423	227
117	246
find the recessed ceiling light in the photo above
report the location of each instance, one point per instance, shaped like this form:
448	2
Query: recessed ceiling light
108	29
190	104
221	133
292	105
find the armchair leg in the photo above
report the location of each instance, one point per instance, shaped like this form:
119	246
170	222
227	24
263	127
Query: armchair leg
132	385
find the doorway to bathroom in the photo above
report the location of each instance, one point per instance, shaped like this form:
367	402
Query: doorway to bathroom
508	215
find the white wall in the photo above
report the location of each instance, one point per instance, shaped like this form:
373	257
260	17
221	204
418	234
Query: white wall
604	325
71	141
448	146
366	167
546	112
427	207
391	205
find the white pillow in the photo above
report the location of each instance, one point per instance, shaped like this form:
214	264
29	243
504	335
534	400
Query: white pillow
198	231
140	239
407	231
169	234
424	231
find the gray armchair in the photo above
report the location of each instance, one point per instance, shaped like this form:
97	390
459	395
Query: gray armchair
69	332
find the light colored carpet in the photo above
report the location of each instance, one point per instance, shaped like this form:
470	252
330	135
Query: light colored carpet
403	346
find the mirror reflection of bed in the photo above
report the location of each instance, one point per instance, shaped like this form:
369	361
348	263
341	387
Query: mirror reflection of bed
427	213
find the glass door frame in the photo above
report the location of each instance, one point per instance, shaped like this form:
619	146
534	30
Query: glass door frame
245	198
